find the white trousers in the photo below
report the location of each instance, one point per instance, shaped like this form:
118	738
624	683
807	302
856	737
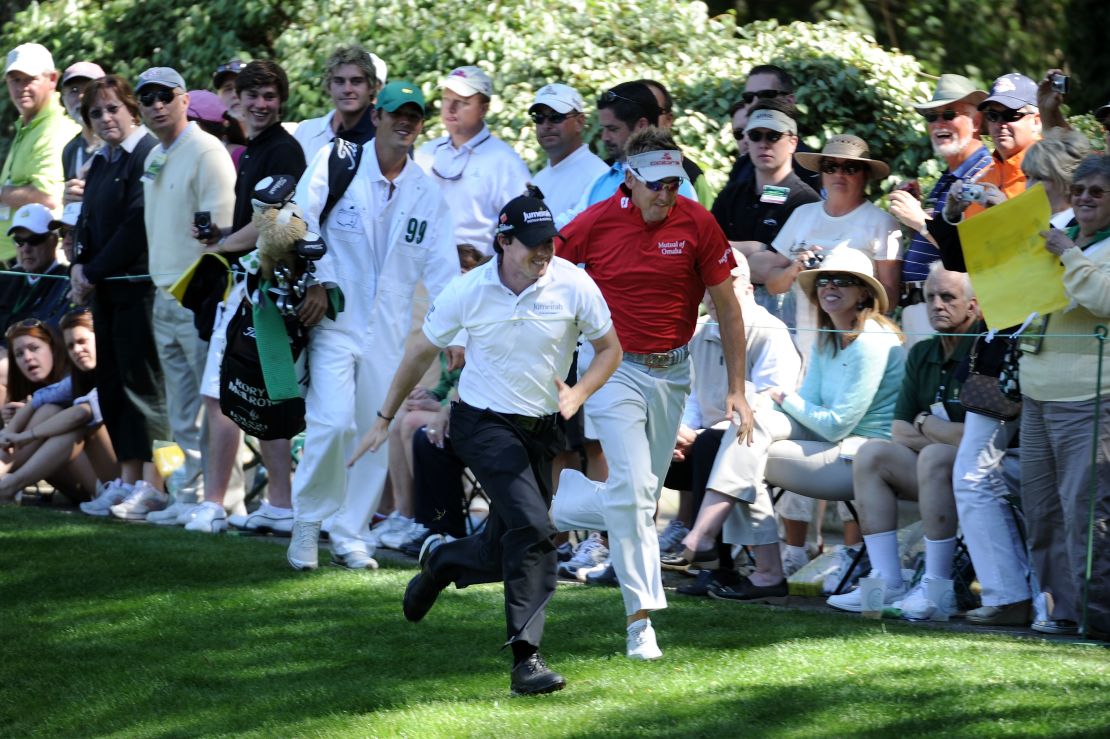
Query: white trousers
339	368
636	415
984	474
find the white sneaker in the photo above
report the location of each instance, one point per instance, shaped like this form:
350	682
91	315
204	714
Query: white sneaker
853	599
304	548
268	518
354	560
641	641
208	517
107	495
917	606
586	570
171	515
143	499
793	559
400	534
393	521
670	541
589	553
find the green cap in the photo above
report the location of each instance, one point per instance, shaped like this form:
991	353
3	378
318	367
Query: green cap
397	93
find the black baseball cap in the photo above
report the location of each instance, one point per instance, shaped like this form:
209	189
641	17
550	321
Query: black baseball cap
230	68
528	219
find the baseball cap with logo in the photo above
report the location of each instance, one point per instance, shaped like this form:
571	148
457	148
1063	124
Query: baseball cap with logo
467	81
82	70
32	59
398	93
161	76
528	219
70	214
560	98
1013	90
34	217
774	120
652	166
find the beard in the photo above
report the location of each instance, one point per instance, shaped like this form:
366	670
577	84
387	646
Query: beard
952	147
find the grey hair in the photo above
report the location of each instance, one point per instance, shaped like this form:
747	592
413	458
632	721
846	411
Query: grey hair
1055	157
1095	165
935	268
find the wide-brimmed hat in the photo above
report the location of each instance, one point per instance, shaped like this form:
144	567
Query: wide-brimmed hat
952	88
843	146
845	260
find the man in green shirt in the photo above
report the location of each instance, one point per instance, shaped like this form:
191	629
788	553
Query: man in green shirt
32	172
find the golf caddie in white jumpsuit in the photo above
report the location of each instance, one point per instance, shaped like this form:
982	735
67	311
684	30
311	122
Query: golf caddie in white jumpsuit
389	230
653	253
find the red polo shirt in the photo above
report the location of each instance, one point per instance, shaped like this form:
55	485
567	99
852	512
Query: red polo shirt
652	275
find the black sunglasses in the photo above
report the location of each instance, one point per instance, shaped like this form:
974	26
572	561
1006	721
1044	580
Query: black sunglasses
1009	116
25	324
948	115
1094	191
848	168
748	97
738	134
837	280
33	240
539	118
96	113
164	96
757	135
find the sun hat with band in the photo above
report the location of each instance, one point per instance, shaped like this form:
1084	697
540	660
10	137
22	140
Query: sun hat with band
843	146
952	88
845	260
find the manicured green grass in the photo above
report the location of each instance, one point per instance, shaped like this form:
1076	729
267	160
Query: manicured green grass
110	628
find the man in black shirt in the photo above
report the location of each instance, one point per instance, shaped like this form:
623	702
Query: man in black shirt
263	89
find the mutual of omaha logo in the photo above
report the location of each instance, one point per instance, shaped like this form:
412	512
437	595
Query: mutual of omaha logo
672	247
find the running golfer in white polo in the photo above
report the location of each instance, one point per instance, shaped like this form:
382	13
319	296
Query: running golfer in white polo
523	312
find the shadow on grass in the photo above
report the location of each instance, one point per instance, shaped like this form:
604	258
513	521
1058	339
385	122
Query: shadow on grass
112	628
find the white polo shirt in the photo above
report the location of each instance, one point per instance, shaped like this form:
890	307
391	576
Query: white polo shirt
477	179
314	134
564	183
518	345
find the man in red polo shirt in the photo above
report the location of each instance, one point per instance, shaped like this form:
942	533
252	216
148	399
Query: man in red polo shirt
653	254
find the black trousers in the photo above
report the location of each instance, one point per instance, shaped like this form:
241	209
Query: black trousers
693	474
517	544
438	496
128	374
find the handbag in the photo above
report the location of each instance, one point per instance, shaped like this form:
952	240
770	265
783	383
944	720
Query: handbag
996	397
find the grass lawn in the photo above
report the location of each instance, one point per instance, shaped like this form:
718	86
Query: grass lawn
128	630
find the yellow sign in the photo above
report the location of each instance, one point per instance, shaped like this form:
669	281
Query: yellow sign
1012	272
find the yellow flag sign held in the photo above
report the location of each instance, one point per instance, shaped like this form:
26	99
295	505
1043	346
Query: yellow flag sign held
1012	272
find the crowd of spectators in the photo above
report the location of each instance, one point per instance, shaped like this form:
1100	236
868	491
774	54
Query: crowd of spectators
855	401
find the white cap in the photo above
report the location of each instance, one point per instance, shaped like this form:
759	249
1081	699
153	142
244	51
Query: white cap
652	166
773	120
467	81
560	98
70	214
34	217
32	59
380	68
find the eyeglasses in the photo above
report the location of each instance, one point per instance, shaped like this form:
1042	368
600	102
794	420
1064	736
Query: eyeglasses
33	240
848	168
748	97
96	113
837	280
25	325
1008	116
444	163
539	118
668	185
1094	191
758	135
738	134
948	115
73	89
163	96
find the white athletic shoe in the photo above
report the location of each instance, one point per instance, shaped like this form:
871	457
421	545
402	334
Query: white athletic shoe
208	517
108	494
354	560
175	514
268	518
917	606
589	553
304	548
641	641
392	522
143	499
402	534
853	600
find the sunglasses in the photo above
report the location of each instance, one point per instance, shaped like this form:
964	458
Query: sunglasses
1008	116
948	115
757	136
658	185
1094	191
234	67
24	325
163	96
738	134
748	97
837	280
96	113
33	240
848	168
539	118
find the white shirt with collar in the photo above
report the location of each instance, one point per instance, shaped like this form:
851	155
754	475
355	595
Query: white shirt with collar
314	134
518	345
128	144
564	183
477	179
